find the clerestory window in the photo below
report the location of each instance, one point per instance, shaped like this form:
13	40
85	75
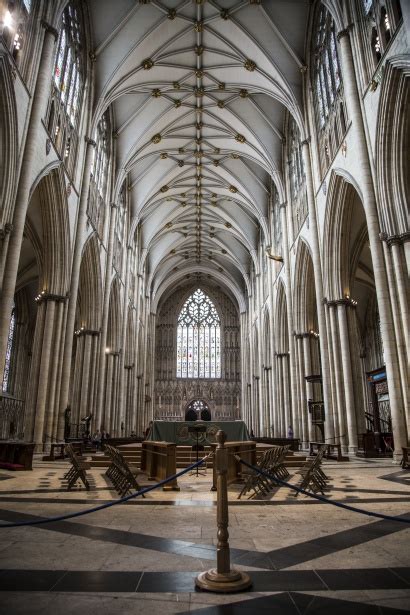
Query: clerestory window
327	89
64	110
198	338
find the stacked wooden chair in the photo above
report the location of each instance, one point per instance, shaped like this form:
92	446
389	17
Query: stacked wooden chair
312	476
272	462
120	473
77	470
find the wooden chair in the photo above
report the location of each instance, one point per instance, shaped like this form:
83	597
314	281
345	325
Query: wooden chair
77	470
120	473
312	476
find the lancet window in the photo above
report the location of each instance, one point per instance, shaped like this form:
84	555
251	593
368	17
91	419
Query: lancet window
119	238
297	179
7	364
327	89
199	338
99	175
64	110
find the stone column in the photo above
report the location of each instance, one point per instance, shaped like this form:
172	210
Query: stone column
298	405
34	372
121	388
39	433
302	385
317	270
338	376
38	108
288	278
347	375
74	281
52	385
308	393
104	325
369	203
286	400
106	414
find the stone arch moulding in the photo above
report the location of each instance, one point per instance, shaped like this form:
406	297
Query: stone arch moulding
9	145
392	147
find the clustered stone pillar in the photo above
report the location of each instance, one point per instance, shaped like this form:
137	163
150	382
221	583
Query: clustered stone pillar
75	277
317	270
369	203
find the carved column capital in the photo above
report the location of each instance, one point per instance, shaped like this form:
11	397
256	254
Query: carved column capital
49	28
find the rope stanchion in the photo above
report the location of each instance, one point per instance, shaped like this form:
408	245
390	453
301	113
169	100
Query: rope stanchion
223	578
126	498
320	497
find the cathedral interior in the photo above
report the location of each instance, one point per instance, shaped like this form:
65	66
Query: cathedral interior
204	217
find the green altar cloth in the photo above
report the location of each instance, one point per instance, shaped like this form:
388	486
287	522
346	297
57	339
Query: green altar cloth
177	432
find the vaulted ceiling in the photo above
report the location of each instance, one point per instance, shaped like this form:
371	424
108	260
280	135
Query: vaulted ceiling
198	91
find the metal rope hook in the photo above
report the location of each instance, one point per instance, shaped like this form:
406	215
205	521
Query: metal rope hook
223	578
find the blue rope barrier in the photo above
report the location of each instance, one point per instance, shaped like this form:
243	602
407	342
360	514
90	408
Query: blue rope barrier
320	497
107	504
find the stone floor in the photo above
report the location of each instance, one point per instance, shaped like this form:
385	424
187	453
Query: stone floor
304	557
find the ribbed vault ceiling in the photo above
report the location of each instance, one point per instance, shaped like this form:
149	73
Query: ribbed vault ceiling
198	92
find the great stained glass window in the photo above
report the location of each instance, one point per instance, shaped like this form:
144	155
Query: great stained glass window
198	338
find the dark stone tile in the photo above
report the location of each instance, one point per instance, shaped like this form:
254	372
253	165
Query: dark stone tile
98	581
404	573
371	578
286	580
29	580
326	606
178	582
279	604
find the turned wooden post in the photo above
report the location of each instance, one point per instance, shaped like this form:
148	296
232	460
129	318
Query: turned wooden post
223	579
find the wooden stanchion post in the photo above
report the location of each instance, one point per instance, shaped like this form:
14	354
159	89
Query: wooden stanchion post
222	579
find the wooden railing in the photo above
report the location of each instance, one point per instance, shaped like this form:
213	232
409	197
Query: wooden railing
11	418
158	460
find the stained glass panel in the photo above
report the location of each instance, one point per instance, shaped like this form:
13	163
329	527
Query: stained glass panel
6	373
198	338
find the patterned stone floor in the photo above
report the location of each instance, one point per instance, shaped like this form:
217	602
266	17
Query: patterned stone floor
304	557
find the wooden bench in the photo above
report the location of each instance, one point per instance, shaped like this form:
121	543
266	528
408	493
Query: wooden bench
331	451
77	470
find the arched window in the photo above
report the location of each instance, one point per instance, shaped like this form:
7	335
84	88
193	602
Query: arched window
14	26
297	179
6	373
381	19
99	174
119	230
198	338
64	110
327	89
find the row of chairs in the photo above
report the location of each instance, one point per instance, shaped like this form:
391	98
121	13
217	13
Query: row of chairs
77	470
120	473
272	461
312	476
